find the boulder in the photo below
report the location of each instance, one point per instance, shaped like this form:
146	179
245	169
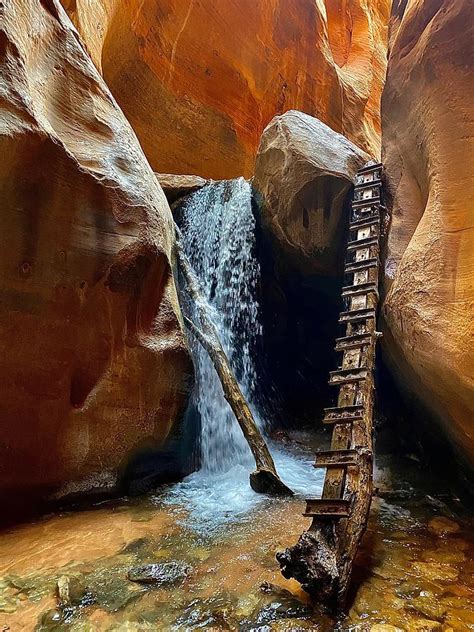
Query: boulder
177	186
429	269
199	81
303	174
93	362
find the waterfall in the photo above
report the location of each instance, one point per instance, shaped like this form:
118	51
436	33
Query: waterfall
218	229
219	239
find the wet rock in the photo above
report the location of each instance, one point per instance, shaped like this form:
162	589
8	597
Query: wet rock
70	591
460	618
208	614
424	625
138	546
129	626
110	589
247	605
295	625
441	525
8	601
285	606
7	605
51	620
443	556
167	573
433	571
200	553
429	605
384	627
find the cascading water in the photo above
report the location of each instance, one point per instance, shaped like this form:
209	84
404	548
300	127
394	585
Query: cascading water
219	240
218	228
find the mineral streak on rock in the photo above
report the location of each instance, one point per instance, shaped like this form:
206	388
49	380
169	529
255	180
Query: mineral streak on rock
199	81
303	173
427	150
92	361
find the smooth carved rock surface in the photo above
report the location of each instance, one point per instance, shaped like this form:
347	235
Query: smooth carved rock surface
428	156
303	173
92	361
176	186
199	81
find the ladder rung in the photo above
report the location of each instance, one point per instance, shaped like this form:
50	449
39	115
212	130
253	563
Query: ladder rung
343	415
369	168
356	315
364	222
357	290
347	376
327	508
335	458
358	266
352	342
364	185
365	201
361	243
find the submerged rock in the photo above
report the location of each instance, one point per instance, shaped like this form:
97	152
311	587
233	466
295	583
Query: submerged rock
214	613
303	173
442	526
283	605
164	574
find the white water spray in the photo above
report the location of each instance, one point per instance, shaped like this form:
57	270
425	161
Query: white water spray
218	230
219	240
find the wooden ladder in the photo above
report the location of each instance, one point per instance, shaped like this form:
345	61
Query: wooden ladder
340	515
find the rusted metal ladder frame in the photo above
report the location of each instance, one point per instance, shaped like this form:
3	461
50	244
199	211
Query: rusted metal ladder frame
351	446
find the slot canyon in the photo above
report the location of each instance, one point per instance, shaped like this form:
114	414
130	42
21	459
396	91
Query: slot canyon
203	205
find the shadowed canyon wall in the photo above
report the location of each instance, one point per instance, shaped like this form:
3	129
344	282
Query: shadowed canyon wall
427	120
92	365
199	81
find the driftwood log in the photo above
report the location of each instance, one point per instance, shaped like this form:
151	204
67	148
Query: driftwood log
265	478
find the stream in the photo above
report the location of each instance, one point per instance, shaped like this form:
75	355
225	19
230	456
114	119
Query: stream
414	571
216	539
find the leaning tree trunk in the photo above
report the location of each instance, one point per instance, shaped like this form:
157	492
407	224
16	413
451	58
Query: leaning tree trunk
265	478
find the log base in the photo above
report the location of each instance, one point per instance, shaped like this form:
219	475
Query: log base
313	563
265	482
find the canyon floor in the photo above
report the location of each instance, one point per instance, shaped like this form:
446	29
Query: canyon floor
414	571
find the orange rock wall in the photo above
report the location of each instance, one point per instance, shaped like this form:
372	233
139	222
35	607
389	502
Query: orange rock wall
92	362
199	81
428	129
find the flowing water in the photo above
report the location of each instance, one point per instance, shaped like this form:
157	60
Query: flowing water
219	239
414	571
218	229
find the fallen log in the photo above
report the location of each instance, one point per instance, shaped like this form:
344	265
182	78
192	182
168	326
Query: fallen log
265	478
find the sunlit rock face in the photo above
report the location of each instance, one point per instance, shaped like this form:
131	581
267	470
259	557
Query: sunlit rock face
199	81
427	150
92	363
303	174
